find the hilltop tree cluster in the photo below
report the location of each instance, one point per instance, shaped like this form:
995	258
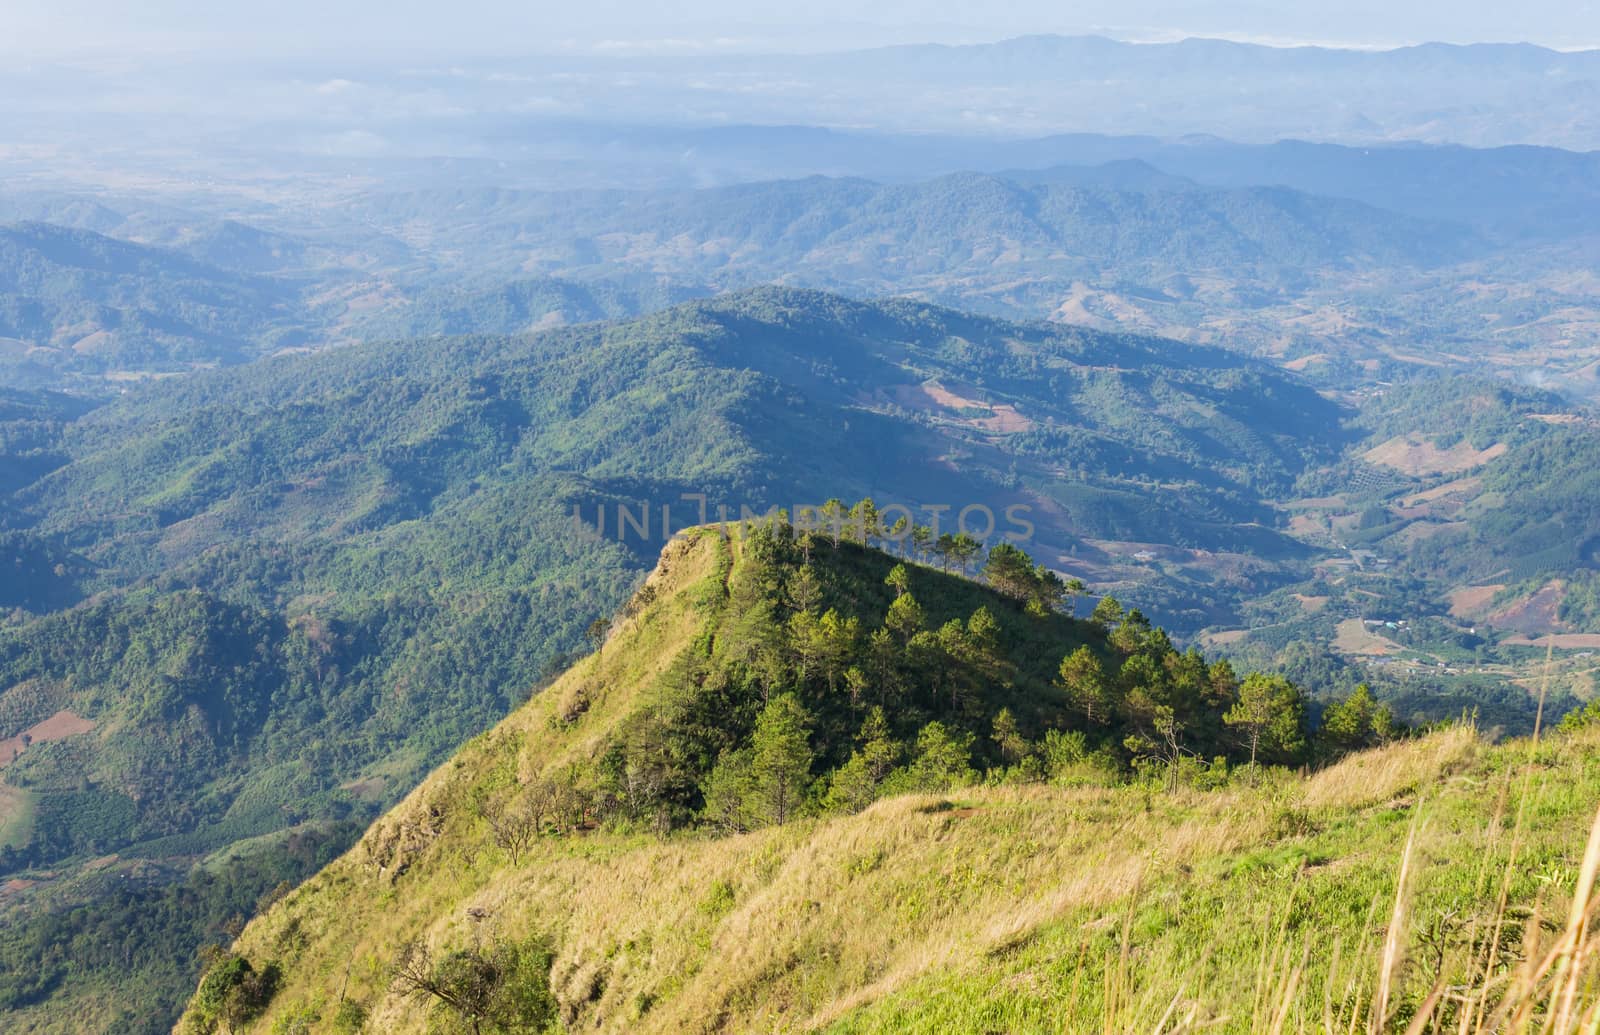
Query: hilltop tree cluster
829	675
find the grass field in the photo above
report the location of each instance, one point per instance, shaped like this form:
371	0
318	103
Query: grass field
16	815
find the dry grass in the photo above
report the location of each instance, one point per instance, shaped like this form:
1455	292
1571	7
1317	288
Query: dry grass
1401	769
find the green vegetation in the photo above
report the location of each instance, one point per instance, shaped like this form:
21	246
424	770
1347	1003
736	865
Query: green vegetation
94	304
992	885
283	593
124	953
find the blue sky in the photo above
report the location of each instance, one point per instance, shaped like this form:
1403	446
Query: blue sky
47	28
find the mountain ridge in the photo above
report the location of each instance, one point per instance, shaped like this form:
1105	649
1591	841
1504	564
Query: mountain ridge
596	921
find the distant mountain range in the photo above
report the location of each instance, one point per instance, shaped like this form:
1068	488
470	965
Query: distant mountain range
1330	257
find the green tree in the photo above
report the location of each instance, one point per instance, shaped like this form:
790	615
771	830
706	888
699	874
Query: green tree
900	533
1131	633
1008	738
898	580
1010	570
805	589
943	760
1084	679
855	784
1354	724
780	760
1075	588
835	644
231	994
500	988
835	518
905	617
1270	715
856	682
1107	613
866	522
883	664
963	548
1581	718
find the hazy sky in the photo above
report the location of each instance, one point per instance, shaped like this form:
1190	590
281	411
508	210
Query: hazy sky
49	28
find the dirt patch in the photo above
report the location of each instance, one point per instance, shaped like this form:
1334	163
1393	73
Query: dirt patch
1418	457
932	396
1355	638
94	342
1226	636
1319	503
1305	524
62	724
1533	615
1472	601
1311	605
1459	487
1419	530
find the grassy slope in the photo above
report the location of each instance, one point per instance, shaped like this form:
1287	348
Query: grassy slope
997	909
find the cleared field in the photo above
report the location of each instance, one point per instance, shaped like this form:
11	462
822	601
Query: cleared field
1533	615
1355	638
1561	641
1418	456
1472	601
64	723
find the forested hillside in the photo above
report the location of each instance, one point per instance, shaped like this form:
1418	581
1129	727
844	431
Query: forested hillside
75	300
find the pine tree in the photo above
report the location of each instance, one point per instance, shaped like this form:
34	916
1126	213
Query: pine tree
905	617
1085	682
964	548
805	591
835	645
1007	736
1107	613
780	760
855	784
1270	715
1010	571
943	760
835	516
921	541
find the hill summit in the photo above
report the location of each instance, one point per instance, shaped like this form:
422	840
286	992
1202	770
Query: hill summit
803	784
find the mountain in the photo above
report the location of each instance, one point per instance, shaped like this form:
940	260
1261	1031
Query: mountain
852	871
77	299
265	600
1514	193
959	226
1263	270
523	305
1396	260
